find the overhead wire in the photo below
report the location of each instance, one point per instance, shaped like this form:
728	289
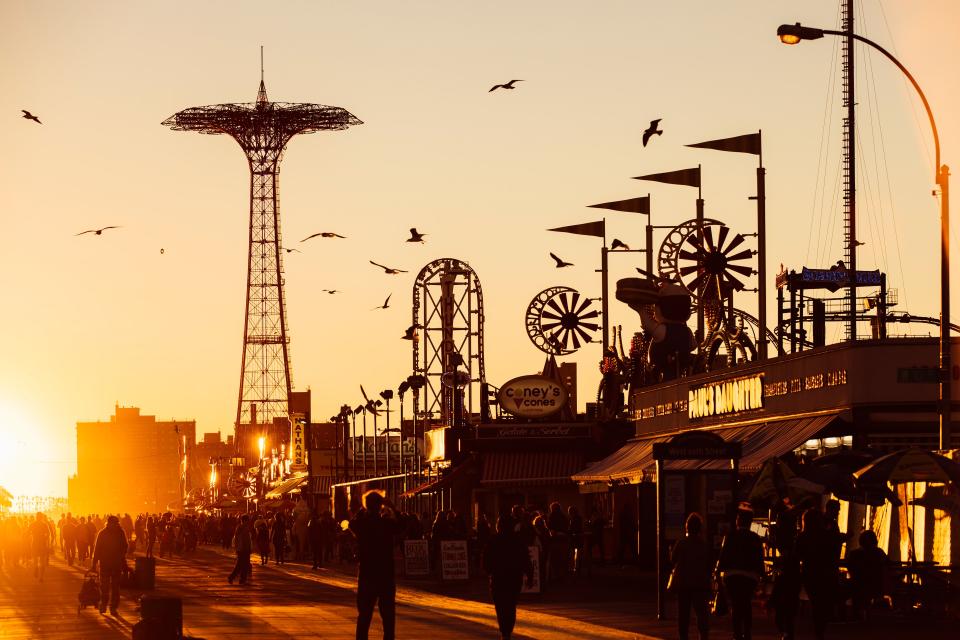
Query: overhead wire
880	160
826	131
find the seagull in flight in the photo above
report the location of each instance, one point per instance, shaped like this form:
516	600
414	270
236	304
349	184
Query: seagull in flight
388	270
651	130
385	305
96	231
289	250
332	291
370	406
324	234
508	85
411	332
415	236
619	245
29	116
560	263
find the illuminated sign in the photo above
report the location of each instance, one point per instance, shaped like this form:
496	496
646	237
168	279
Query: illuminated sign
298	446
435	440
834	278
532	396
728	396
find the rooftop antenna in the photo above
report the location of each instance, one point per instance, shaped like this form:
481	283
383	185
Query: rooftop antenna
262	92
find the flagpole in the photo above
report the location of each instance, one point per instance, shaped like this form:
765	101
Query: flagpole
701	334
762	250
649	238
606	290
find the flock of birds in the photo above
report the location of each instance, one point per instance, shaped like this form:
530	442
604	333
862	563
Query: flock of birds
415	236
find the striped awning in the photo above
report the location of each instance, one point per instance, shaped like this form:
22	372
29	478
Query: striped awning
540	467
761	440
286	487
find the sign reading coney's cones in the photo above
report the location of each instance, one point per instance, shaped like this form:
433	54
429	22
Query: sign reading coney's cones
532	396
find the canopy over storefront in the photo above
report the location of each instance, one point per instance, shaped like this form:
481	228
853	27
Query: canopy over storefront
761	439
514	468
443	482
286	487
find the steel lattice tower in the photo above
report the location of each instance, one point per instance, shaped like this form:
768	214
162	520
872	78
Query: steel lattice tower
263	129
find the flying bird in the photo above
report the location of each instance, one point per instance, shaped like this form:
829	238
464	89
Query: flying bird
324	234
96	231
289	250
370	406
161	250
388	270
508	85
29	116
415	236
411	332
385	305
651	130
332	291
560	263
619	245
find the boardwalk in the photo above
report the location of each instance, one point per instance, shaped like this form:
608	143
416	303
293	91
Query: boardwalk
286	601
292	601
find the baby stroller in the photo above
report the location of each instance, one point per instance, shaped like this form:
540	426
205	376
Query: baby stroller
89	595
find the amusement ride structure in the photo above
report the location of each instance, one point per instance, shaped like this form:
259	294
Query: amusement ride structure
448	348
263	129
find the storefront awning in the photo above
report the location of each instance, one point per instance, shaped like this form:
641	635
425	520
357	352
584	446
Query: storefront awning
634	462
432	486
286	487
521	469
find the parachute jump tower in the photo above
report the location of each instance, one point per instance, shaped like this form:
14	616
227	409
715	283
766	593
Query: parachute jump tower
263	129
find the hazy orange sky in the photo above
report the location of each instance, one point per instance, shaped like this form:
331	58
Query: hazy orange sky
90	321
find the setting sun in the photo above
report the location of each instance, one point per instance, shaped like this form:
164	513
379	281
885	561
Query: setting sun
16	432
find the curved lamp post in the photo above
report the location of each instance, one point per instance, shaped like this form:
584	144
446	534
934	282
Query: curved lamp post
793	34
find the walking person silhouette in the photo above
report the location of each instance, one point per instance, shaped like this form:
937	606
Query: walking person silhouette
507	562
109	551
375	527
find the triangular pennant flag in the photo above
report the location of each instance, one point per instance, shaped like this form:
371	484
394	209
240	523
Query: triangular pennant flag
688	177
749	143
633	205
597	228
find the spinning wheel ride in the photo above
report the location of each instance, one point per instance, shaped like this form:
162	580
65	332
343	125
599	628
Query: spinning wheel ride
558	321
705	266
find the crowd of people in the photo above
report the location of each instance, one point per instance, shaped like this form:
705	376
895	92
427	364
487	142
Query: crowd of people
803	546
26	542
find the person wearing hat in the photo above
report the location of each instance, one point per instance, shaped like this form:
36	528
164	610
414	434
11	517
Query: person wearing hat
109	552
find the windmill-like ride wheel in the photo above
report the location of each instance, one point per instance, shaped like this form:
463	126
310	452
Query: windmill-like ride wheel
242	485
559	320
710	265
706	266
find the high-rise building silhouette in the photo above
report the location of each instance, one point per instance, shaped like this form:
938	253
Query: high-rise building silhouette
263	129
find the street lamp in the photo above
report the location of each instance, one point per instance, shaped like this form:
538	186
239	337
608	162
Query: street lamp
793	34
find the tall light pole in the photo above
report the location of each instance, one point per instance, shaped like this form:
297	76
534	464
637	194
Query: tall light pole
793	34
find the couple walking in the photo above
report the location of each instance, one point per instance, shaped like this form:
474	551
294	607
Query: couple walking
376	527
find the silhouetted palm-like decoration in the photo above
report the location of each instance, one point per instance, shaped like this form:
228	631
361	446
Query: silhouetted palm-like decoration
707	268
559	320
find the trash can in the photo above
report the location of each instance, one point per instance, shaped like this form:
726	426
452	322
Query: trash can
161	616
145	573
